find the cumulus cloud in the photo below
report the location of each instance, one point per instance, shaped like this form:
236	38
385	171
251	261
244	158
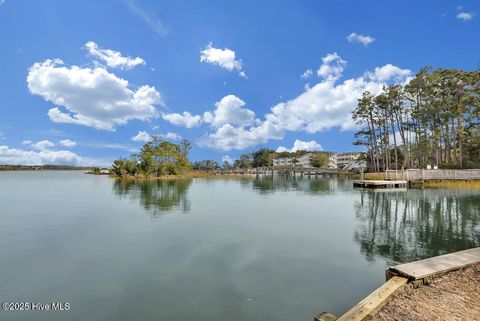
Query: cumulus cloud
332	67
90	97
67	143
26	142
388	72
113	59
224	58
326	105
365	40
228	137
307	74
15	156
42	145
186	119
142	136
301	145
465	16
229	111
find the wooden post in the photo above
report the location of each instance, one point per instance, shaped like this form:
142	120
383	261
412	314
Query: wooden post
325	316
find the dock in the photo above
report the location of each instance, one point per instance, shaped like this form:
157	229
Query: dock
406	276
380	184
435	266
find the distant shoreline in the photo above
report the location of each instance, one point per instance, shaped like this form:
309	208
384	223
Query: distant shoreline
5	168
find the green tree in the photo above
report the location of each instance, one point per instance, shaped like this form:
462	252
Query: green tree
319	160
262	158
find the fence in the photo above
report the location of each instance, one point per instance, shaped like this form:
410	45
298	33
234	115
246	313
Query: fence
433	174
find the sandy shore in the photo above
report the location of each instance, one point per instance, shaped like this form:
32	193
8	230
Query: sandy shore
454	296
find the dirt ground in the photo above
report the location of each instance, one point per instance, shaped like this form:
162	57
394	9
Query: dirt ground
452	297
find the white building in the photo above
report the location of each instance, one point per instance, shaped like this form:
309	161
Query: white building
303	161
351	160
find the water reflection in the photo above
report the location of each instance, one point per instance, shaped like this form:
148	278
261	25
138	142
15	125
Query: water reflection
404	226
272	184
156	196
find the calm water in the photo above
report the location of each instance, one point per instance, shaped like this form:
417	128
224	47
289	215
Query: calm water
213	250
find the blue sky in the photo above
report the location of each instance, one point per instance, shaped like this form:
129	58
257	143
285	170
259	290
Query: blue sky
84	82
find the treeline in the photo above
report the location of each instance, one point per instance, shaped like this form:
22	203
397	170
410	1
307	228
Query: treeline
432	120
156	158
261	158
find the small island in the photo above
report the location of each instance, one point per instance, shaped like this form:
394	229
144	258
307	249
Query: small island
157	158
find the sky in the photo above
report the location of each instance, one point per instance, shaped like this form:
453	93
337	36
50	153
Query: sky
86	82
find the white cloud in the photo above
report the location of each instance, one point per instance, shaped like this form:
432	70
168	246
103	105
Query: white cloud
388	72
170	135
113	59
307	74
26	142
186	119
243	74
365	40
229	111
149	18
17	156
42	145
465	16
224	58
326	105
67	143
228	137
91	97
332	67
142	136
301	145
228	159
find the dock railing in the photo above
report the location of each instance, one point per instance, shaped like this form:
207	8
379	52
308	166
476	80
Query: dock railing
433	174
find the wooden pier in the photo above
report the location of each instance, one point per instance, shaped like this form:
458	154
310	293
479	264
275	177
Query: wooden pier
380	184
400	277
435	266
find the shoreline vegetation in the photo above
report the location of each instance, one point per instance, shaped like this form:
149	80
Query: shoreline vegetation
160	158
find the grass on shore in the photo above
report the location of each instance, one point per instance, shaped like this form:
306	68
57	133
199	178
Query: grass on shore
186	175
374	176
462	184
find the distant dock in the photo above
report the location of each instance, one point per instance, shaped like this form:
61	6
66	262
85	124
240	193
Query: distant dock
380	184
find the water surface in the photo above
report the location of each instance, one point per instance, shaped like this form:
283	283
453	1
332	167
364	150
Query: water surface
213	249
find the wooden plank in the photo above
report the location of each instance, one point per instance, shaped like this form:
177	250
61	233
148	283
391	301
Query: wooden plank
325	316
372	303
437	265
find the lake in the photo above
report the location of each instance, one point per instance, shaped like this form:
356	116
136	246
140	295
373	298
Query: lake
213	249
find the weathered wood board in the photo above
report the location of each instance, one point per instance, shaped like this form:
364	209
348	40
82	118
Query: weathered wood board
375	300
379	184
437	265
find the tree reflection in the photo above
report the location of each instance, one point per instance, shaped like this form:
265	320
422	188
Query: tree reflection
272	184
404	226
157	196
